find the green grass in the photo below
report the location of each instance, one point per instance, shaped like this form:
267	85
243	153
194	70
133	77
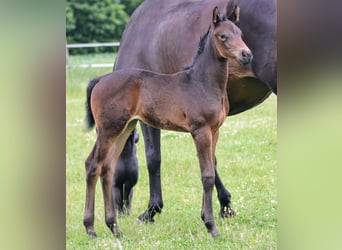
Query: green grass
92	59
246	154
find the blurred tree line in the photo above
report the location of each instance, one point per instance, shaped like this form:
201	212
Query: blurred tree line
89	21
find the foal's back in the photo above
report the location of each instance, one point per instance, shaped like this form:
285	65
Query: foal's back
137	94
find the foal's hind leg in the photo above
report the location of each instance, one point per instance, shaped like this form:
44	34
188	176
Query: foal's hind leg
107	177
95	167
92	174
107	182
97	164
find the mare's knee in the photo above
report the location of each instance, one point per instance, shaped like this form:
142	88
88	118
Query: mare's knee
153	160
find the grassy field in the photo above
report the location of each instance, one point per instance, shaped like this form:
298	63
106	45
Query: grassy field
246	154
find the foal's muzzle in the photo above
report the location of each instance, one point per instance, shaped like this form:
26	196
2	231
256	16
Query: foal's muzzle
246	57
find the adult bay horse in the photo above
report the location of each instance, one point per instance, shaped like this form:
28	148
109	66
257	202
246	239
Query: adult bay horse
117	100
162	35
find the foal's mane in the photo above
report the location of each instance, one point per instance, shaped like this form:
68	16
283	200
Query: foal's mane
200	49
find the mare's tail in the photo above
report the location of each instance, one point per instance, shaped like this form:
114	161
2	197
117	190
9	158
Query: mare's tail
89	114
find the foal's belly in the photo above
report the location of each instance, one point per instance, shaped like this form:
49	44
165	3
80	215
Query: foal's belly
183	121
172	122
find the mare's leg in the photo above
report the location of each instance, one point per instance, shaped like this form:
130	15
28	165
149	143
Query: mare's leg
131	174
127	198
122	197
117	192
223	196
203	138
153	158
126	174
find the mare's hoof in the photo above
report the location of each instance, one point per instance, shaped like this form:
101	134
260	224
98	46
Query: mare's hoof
138	221
226	212
145	219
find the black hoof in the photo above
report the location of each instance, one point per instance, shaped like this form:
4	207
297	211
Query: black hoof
143	220
145	217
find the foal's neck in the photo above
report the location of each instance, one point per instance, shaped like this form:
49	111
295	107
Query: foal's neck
209	67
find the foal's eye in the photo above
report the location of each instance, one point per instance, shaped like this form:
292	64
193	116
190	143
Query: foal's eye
223	37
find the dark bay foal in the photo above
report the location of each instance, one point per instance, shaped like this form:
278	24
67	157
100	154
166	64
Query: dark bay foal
194	101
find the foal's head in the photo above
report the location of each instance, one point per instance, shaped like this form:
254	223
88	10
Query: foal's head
227	38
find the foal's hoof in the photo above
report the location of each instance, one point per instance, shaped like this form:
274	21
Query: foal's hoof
215	233
226	212
116	231
92	234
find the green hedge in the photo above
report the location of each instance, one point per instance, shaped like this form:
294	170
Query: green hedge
89	21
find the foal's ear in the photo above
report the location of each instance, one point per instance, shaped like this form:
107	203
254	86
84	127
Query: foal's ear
216	16
235	15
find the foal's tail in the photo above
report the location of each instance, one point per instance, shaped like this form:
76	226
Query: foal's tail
89	116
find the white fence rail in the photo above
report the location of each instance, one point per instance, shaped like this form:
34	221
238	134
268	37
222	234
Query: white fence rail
89	45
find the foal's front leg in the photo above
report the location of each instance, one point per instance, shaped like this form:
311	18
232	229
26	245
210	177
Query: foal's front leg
203	140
